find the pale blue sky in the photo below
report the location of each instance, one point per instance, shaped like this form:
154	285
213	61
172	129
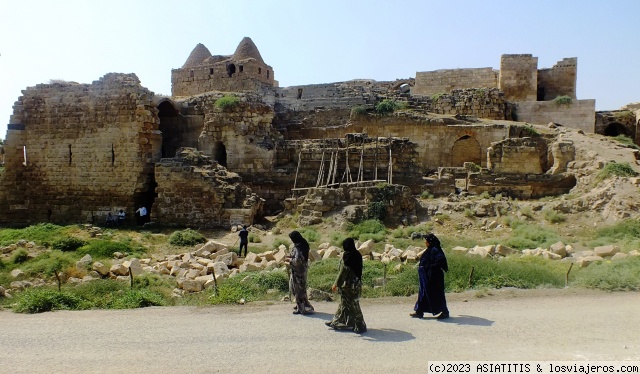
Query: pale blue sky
310	42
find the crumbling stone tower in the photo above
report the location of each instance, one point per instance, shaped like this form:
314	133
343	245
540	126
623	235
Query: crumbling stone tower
243	71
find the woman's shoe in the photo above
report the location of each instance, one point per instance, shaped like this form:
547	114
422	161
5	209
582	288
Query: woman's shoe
443	315
416	315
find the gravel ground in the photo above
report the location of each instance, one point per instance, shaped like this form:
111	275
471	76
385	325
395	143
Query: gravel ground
499	325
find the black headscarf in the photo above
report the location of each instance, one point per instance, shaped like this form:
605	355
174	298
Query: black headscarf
301	243
433	240
351	257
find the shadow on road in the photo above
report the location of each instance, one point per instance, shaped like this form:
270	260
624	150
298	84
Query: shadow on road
467	320
387	335
320	315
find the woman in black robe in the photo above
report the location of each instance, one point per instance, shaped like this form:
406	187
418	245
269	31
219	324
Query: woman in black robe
298	260
431	269
349	285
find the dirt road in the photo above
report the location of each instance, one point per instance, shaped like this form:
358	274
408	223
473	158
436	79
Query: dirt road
261	338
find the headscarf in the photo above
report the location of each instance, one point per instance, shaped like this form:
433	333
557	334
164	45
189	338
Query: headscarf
301	243
351	257
433	240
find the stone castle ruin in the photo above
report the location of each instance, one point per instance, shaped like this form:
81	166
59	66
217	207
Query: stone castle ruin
75	152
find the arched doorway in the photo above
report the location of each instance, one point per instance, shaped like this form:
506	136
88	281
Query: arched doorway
466	149
171	128
220	153
615	129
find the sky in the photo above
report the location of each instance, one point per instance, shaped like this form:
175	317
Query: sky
309	42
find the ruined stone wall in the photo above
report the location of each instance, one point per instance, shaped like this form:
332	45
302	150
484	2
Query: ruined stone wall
90	150
522	186
240	137
518	77
342	95
482	103
443	81
560	80
435	139
195	192
516	156
579	114
247	76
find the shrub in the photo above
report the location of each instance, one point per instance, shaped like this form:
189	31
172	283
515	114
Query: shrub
624	116
426	195
386	106
616	169
553	216
310	234
253	238
186	237
437	96
369	229
376	210
626	229
227	102
38	300
358	111
564	99
277	280
69	244
20	256
281	241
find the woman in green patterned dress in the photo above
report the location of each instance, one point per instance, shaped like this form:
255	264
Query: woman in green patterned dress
349	285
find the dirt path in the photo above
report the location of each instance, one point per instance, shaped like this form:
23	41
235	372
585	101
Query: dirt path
260	338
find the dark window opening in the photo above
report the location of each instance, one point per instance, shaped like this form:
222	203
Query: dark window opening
231	69
210	71
113	156
259	70
267	74
540	94
220	153
299	93
70	155
241	68
191	74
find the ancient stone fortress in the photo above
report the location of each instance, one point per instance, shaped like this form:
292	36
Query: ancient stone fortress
75	152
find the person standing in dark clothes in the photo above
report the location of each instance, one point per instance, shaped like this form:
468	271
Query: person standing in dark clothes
349	285
244	240
431	269
298	260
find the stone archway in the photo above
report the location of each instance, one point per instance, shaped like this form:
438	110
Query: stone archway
171	128
466	149
220	153
615	129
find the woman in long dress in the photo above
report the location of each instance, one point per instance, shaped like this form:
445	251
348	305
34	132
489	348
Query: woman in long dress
431	269
298	261
349	285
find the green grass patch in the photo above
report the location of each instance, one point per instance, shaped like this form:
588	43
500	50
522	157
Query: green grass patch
619	275
386	106
626	141
369	229
42	233
614	169
563	100
227	102
529	236
310	234
38	300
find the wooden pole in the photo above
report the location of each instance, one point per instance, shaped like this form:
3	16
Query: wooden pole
566	276
360	171
297	169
